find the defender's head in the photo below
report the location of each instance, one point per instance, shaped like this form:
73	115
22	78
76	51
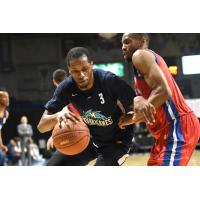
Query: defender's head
131	42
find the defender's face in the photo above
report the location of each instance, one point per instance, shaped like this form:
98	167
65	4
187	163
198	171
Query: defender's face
82	73
129	45
4	98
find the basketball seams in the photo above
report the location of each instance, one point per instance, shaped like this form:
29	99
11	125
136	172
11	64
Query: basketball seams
77	142
63	133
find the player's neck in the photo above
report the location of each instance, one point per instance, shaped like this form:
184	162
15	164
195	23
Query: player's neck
144	46
92	82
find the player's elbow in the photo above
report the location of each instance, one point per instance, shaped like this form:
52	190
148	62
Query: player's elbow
41	128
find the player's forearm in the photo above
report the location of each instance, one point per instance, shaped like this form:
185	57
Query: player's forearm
47	123
159	95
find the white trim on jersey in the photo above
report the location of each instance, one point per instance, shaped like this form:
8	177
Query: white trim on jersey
174	134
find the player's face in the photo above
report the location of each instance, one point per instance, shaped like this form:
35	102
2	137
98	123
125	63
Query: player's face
129	45
4	98
82	73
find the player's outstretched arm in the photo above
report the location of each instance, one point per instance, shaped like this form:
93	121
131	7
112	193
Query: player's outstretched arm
47	122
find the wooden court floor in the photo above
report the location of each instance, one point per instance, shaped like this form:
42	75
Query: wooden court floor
140	159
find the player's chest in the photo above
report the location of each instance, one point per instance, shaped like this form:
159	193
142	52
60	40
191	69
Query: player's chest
98	99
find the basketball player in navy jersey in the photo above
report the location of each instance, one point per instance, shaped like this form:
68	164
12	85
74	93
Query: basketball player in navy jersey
4	103
58	158
94	93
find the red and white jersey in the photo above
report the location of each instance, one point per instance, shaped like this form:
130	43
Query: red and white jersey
171	109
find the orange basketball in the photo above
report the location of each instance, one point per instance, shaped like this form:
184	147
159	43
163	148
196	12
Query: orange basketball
71	140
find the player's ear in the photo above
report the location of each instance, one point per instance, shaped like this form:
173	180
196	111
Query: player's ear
69	70
54	83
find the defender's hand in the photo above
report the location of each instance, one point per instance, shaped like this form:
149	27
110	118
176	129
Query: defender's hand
142	106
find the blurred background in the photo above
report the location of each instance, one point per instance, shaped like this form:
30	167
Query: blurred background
28	60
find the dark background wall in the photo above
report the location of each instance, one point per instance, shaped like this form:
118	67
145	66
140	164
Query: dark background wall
28	60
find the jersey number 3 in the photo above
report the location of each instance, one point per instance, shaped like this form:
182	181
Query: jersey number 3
101	98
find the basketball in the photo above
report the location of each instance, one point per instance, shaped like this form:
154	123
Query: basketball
71	140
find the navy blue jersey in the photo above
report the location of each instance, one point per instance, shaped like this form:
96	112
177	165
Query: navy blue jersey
97	106
3	120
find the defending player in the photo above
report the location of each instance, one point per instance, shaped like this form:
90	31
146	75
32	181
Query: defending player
176	127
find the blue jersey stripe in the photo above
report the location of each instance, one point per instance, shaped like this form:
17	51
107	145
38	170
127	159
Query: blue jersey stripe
179	135
169	146
174	121
180	143
167	156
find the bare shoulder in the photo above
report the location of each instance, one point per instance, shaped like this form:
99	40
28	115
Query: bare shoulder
143	60
142	55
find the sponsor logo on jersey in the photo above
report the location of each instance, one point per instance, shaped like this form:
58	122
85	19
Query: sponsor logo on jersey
95	118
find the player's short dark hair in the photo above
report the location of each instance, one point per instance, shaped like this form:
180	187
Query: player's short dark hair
59	75
142	35
76	53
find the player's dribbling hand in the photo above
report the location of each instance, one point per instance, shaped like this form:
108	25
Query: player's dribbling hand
142	106
66	116
50	143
